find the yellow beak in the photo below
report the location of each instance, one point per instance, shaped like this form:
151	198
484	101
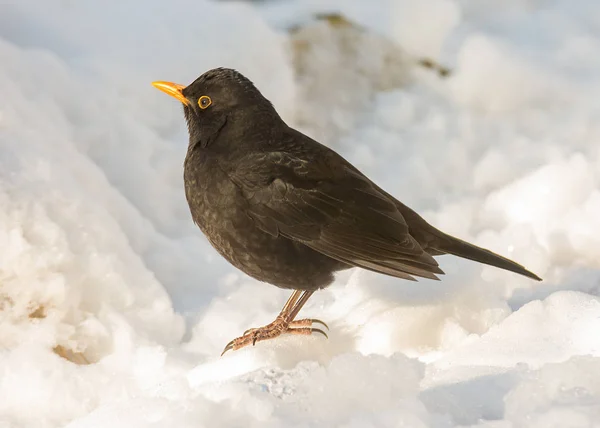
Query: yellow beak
172	89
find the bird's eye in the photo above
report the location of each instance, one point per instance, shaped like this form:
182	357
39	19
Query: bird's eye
204	101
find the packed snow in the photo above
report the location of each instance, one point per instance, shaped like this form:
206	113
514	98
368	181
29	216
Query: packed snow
114	308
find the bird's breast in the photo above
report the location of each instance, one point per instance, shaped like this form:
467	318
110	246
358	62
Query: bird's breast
220	210
213	199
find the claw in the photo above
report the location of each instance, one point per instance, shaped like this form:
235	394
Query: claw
228	347
318	330
315	321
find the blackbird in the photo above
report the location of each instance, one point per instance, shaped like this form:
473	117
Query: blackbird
289	211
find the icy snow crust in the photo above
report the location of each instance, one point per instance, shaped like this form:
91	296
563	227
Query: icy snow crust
98	253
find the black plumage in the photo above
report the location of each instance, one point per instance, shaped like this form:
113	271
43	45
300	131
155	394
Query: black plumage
289	211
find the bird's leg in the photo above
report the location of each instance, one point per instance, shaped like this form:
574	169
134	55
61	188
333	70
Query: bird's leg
287	308
299	326
284	323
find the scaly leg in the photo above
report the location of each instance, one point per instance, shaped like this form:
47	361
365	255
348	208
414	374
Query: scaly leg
284	323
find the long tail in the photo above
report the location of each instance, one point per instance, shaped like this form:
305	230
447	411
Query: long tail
436	243
451	245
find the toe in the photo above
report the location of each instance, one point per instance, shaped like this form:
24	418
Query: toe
306	331
308	322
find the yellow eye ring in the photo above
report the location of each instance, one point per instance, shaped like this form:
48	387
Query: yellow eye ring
204	101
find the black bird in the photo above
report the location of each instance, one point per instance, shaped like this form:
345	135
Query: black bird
289	211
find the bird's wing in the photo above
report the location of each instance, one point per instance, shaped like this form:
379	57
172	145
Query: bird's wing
329	206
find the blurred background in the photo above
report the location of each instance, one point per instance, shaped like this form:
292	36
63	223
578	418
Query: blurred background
483	116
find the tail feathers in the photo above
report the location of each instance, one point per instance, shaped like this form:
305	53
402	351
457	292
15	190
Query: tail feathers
460	248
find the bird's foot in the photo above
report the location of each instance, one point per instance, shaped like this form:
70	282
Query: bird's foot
273	330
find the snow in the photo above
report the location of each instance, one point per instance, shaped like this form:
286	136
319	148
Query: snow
101	263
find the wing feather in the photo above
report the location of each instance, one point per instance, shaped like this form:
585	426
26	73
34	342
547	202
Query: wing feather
341	214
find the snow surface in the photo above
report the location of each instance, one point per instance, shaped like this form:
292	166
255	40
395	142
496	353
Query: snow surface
99	256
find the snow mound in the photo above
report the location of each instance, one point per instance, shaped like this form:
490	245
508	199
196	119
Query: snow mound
114	308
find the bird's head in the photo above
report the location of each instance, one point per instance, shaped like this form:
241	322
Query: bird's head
217	98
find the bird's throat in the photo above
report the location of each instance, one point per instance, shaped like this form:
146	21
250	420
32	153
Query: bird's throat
203	134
